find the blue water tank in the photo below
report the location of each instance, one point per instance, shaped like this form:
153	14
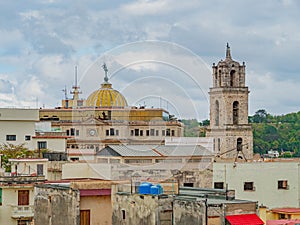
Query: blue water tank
161	190
156	190
145	188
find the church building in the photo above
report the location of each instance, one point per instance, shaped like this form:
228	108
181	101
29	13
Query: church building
105	118
229	126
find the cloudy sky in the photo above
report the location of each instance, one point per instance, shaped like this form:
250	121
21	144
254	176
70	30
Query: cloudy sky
159	52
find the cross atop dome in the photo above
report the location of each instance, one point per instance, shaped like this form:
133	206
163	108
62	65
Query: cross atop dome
105	70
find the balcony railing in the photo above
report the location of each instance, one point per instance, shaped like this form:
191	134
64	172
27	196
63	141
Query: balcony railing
21	179
22	211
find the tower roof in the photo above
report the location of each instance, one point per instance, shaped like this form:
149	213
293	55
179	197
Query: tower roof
106	96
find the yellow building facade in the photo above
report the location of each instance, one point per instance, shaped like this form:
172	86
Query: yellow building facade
105	118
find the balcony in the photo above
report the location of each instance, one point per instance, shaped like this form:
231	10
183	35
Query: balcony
22	211
21	179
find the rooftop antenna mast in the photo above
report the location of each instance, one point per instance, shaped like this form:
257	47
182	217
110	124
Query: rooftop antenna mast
76	69
65	92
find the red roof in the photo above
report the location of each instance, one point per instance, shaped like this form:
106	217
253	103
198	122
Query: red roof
286	210
244	219
283	222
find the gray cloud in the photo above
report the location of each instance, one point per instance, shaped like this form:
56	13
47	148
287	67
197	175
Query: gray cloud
45	39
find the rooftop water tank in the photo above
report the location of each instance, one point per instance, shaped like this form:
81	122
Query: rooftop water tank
156	189
145	188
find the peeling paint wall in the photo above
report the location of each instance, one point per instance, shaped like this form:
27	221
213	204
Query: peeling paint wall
56	206
187	212
141	210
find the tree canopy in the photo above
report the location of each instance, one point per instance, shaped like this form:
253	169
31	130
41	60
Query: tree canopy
270	132
10	151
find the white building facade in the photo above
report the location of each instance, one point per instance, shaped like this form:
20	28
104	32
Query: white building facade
17	126
272	184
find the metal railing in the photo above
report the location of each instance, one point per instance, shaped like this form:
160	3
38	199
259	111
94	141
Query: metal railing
22	211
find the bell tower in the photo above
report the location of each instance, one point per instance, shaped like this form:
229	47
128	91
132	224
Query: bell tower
229	110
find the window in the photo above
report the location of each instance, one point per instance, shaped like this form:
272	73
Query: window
173	133
112	132
123	214
72	131
141	133
147	132
235	113
283	184
85	216
163	133
188	184
68	132
42	145
249	186
131	132
282	216
77	132
107	132
152	132
218	185
156	133
239	146
232	75
23	197
74	159
168	132
27	137
40	169
217	113
136	132
11	137
23	222
134	161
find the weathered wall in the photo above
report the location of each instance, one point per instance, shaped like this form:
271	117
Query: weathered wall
141	210
241	208
187	212
200	176
56	205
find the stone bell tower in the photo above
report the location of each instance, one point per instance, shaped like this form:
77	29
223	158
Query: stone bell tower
229	110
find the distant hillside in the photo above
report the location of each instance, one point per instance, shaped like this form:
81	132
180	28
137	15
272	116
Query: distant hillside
193	128
280	133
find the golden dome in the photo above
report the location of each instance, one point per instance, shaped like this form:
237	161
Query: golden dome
106	96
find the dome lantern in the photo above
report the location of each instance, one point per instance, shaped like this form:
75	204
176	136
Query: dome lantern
106	96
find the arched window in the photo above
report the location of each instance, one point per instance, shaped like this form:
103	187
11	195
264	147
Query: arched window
239	144
219	80
232	74
216	79
235	112
217	113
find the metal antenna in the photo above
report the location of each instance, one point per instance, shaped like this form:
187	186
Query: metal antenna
76	76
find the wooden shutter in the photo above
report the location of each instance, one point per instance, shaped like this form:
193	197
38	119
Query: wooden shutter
85	217
23	197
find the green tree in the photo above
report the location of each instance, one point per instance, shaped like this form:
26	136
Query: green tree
11	151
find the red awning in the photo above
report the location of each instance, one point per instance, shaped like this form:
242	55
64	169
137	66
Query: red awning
244	219
94	192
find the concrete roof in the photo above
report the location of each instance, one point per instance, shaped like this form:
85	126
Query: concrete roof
183	150
159	150
134	150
